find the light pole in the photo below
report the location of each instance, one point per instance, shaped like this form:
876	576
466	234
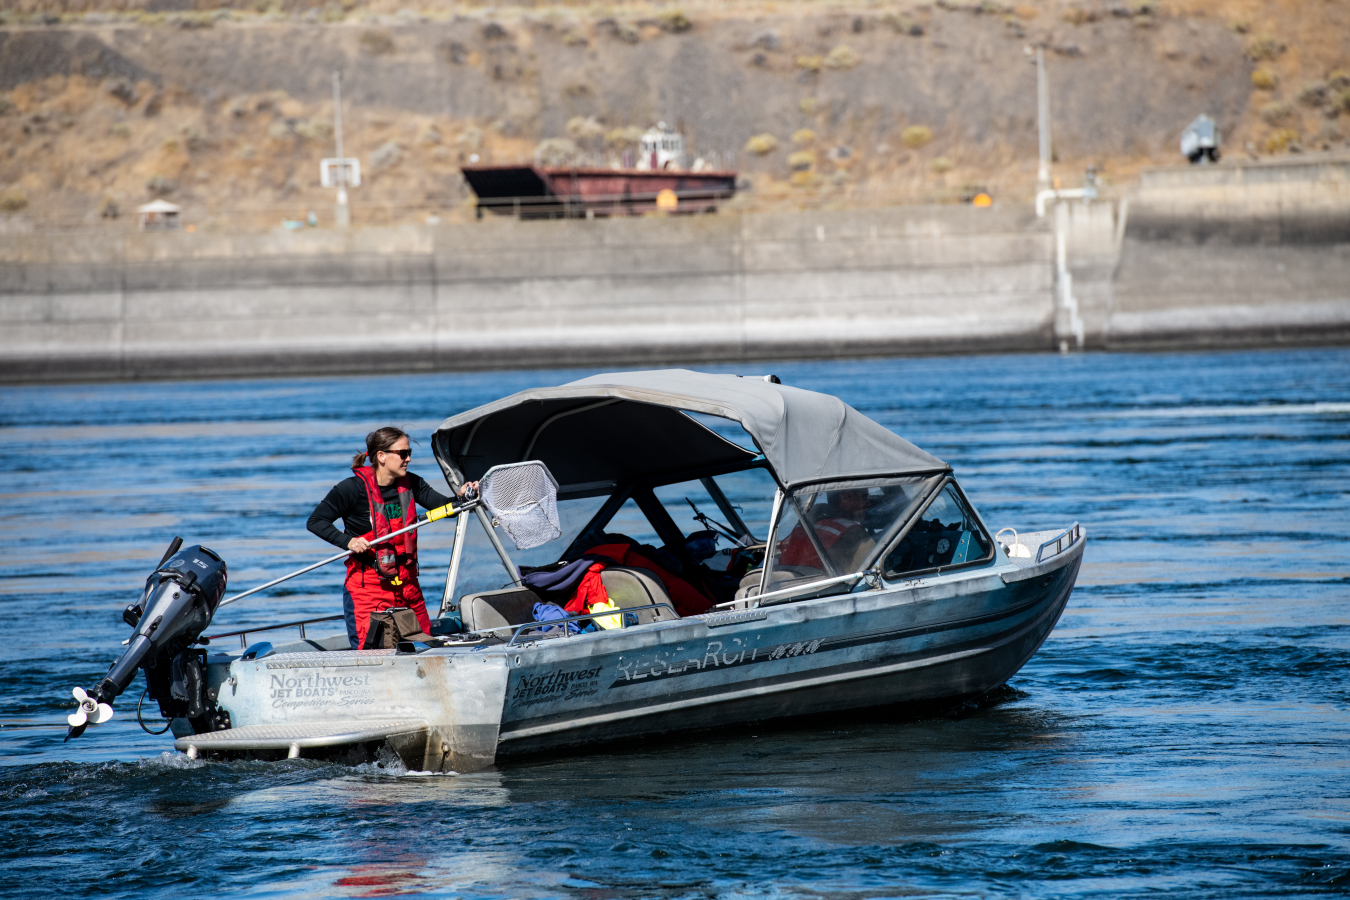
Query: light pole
1043	118
342	212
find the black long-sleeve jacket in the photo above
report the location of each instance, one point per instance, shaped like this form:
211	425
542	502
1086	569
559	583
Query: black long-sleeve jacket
347	501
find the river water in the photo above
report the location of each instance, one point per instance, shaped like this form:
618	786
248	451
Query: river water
1183	731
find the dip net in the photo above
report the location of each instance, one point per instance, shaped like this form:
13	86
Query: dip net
523	500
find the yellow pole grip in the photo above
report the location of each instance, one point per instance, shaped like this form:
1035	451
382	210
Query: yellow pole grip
443	512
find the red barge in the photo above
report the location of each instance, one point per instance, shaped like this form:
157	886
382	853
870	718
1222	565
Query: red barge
540	192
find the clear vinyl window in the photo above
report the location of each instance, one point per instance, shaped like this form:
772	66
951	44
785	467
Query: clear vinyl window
832	531
946	534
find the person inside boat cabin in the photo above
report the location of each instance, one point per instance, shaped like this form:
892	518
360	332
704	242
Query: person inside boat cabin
380	497
839	527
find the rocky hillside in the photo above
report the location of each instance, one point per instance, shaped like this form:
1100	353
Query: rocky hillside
227	109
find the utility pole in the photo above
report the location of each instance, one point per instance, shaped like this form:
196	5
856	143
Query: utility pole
342	212
1043	117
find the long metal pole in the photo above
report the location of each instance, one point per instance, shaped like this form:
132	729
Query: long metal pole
343	211
497	545
337	121
452	574
346	553
1043	116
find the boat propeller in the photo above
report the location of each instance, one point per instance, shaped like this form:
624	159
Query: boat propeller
90	712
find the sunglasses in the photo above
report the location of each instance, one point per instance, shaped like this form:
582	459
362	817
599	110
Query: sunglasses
404	454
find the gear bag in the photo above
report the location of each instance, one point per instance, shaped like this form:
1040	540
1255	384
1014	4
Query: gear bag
389	627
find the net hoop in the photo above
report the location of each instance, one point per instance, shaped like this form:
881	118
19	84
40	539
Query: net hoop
523	500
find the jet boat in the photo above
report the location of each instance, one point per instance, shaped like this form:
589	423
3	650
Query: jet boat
856	575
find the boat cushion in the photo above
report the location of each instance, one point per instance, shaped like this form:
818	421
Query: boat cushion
625	586
628	587
496	609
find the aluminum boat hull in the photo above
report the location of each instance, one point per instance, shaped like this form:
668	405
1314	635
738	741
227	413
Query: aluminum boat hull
937	639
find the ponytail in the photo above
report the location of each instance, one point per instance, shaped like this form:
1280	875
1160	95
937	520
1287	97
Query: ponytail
378	440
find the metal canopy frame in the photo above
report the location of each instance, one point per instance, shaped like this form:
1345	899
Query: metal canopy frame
607	512
620	495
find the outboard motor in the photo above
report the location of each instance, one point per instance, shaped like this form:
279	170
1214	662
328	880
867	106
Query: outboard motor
179	600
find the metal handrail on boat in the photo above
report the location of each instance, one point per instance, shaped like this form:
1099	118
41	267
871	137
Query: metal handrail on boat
807	587
243	635
566	633
1073	533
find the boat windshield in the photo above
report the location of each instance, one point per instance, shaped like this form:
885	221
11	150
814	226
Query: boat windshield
827	530
946	534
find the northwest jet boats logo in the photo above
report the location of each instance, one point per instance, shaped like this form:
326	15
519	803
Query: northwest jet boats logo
559	685
298	691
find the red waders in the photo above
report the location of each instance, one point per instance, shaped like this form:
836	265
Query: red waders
379	579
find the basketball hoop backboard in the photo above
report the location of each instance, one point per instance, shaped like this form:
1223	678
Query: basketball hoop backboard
350	168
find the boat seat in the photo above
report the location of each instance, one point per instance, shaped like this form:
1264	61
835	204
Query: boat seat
626	587
749	586
497	609
637	587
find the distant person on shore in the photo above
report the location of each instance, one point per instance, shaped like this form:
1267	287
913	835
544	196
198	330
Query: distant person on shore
380	497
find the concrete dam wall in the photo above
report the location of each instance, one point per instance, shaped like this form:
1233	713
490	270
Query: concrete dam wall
503	293
1255	255
1218	256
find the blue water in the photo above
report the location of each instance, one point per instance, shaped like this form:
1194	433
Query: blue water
1182	732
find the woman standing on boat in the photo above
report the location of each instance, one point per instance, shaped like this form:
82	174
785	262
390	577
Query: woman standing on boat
380	497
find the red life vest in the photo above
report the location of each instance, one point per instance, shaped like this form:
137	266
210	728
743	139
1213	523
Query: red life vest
392	581
798	550
402	549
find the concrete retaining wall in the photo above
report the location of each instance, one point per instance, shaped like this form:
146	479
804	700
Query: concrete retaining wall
1217	256
1251	254
506	293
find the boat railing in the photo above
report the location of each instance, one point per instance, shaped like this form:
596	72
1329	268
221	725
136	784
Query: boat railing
567	632
1072	533
243	635
782	594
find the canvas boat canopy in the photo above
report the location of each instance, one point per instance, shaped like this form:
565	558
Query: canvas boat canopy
618	427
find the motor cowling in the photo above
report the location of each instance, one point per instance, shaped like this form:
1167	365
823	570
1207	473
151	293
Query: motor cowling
179	600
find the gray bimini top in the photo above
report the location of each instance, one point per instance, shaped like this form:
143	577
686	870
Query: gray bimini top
615	428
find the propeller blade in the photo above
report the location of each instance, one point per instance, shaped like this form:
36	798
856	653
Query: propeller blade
101	715
80	695
77	719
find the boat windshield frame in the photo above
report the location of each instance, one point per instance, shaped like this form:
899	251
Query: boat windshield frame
928	487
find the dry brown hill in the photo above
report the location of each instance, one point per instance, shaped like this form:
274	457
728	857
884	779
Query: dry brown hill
226	108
